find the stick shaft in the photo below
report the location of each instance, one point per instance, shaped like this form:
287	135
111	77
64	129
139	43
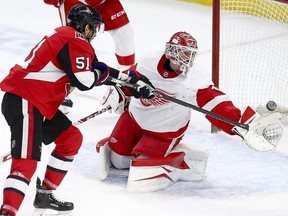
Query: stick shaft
7	156
183	103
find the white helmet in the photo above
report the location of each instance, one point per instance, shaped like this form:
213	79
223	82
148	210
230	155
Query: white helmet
181	50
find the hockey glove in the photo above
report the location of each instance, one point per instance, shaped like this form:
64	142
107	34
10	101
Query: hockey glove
143	88
102	71
264	132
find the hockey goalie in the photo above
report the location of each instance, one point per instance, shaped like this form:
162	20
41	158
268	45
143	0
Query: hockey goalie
145	144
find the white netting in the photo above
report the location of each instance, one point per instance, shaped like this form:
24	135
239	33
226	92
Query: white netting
254	51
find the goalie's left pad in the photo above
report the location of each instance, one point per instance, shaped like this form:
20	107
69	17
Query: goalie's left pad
266	133
116	98
196	159
152	174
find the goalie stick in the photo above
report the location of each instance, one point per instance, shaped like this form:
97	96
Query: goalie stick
7	156
183	103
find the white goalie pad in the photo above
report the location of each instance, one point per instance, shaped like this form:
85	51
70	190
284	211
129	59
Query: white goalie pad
152	174
104	159
196	158
106	167
183	163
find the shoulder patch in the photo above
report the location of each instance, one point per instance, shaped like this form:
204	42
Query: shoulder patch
79	35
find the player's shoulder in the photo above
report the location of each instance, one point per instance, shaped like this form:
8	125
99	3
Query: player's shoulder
70	34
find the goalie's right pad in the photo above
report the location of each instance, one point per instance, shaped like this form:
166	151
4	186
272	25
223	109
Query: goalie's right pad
116	98
107	160
104	158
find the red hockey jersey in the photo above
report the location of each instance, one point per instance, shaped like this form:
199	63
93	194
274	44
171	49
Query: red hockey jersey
112	12
59	60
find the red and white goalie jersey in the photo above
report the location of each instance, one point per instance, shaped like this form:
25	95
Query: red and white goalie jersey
171	120
51	67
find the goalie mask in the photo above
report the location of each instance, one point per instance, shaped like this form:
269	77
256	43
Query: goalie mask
181	50
81	15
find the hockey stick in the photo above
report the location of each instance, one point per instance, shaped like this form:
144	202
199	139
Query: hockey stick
7	156
183	103
92	115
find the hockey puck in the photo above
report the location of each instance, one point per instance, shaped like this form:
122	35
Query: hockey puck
271	105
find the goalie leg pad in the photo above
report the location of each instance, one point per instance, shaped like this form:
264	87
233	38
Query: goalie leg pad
104	158
108	160
196	158
120	161
151	174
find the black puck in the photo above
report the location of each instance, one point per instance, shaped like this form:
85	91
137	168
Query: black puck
271	105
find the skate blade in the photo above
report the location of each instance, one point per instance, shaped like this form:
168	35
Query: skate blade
50	212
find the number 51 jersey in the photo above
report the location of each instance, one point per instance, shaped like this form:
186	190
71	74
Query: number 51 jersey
58	61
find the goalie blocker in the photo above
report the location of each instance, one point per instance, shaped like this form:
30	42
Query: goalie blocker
151	174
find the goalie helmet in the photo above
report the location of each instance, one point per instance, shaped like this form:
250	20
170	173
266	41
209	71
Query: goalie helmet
80	15
181	50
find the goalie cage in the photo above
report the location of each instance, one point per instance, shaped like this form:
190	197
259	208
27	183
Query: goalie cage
249	57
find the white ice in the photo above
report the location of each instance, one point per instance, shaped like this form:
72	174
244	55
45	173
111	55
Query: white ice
239	180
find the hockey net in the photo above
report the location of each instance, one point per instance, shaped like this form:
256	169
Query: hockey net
250	50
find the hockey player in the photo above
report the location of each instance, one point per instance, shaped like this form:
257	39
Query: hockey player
33	93
116	22
146	138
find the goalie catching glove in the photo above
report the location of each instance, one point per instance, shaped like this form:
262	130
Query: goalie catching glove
264	132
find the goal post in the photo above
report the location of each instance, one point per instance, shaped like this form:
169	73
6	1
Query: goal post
250	50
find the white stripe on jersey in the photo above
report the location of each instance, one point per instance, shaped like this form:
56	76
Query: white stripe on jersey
25	130
215	101
47	76
26	63
50	73
86	78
